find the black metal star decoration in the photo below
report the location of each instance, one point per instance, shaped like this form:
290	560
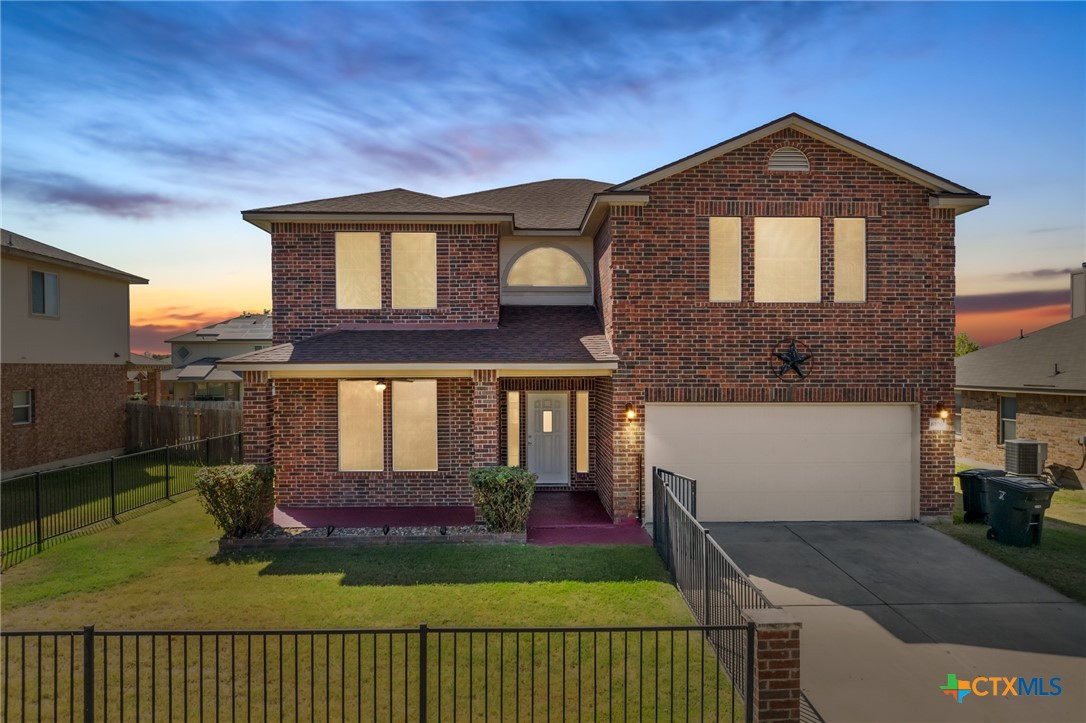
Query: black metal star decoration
793	360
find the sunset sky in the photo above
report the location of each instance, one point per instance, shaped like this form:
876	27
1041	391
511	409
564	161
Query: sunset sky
134	133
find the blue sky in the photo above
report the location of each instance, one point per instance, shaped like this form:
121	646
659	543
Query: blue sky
134	133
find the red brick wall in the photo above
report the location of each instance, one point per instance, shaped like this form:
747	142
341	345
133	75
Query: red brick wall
304	277
78	410
896	346
256	421
305	424
603	288
1052	418
485	418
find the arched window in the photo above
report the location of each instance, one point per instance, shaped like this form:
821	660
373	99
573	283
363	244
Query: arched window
788	159
550	266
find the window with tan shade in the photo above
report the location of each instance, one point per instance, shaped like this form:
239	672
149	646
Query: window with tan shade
414	270
547	266
358	271
414	425
787	263
582	431
724	259
361	426
512	429
849	259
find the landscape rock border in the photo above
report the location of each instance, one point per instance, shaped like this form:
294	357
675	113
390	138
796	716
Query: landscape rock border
287	538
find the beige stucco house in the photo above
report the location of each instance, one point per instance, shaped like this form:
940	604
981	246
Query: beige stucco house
63	355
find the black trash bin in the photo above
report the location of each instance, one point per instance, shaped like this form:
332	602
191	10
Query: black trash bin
975	492
1016	509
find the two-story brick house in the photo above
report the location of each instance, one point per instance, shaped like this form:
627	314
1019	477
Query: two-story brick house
773	315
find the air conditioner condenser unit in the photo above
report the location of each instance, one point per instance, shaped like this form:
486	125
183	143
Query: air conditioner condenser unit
1025	457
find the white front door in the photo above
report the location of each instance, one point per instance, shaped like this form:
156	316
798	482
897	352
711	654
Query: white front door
548	437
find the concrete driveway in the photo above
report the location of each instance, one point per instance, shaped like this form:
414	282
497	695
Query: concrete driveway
889	609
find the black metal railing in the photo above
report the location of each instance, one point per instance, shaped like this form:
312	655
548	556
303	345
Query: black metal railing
44	506
715	588
640	673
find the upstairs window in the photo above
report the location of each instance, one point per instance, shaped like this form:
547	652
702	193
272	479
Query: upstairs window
547	266
22	406
414	271
724	260
44	294
849	262
358	271
787	259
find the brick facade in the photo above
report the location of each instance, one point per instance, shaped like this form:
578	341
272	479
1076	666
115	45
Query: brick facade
78	410
777	691
895	346
304	277
1052	418
305	450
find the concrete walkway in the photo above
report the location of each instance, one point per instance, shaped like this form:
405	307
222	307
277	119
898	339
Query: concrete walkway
890	609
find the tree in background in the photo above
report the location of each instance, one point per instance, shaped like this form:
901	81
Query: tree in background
963	344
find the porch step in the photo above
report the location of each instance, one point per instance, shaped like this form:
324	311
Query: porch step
578	518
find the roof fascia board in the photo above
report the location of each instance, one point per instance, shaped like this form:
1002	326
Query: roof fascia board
1023	390
586	368
602	201
42	258
810	128
960	202
265	220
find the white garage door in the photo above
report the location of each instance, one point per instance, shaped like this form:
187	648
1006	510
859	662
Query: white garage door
790	461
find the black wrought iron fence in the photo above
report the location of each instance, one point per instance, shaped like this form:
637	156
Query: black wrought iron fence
639	673
44	506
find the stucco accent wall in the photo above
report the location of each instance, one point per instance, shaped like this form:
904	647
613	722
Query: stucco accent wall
91	327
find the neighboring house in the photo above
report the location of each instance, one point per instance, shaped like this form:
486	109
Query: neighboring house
773	316
195	356
64	351
1031	387
143	376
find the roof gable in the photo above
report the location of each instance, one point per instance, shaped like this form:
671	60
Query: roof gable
557	204
819	132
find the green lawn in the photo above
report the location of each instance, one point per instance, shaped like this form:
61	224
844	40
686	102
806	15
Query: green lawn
160	571
1060	559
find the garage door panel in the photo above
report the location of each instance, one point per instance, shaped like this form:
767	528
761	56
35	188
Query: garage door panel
789	461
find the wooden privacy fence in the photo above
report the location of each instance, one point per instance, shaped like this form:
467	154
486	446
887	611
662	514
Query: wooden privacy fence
150	426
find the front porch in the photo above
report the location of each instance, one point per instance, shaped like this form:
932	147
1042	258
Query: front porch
578	518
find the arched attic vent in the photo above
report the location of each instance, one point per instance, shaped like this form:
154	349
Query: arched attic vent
788	159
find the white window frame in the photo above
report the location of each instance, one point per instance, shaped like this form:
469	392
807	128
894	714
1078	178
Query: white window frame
44	313
958	415
29	407
1002	438
587	286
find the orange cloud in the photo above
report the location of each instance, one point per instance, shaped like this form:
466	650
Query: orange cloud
992	327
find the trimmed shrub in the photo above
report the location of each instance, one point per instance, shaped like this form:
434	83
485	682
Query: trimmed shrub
504	495
239	497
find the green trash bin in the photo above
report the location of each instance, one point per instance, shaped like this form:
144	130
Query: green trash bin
975	492
1016	509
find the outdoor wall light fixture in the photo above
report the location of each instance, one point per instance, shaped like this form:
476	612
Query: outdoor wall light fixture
631	413
380	385
942	411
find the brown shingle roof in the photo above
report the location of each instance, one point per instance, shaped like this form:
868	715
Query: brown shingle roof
559	203
525	334
394	200
20	245
1030	363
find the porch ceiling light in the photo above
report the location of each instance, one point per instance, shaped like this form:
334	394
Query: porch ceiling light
631	413
942	411
380	385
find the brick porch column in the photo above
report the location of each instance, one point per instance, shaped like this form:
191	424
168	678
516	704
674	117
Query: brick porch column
154	386
776	665
257	419
484	417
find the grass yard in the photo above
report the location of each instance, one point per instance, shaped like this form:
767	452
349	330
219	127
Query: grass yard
1060	559
160	571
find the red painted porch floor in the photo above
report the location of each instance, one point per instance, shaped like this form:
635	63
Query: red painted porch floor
578	518
556	518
